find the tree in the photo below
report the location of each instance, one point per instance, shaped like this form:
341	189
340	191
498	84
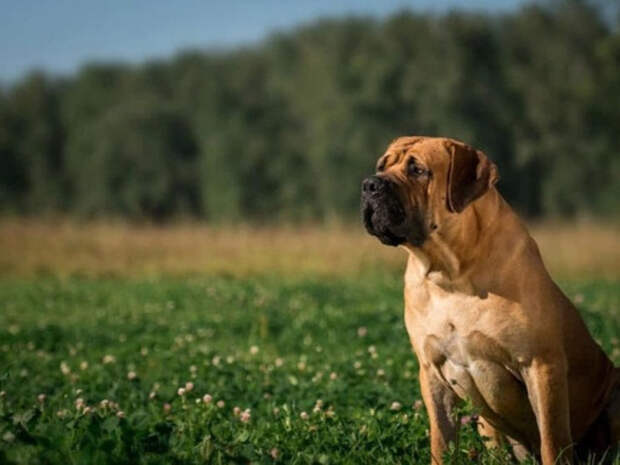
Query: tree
287	128
32	145
138	159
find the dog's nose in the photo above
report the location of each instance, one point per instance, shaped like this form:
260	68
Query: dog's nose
373	184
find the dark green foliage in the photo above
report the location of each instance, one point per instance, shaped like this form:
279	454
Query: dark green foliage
32	147
288	128
137	159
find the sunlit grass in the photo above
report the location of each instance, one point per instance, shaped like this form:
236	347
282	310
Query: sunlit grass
36	247
188	344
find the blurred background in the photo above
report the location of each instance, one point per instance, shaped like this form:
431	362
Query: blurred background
125	118
179	208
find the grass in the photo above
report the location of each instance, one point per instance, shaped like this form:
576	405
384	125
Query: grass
30	248
274	346
101	325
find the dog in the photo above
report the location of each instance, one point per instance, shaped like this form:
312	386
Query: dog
486	321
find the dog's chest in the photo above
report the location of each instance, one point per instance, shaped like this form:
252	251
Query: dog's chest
462	340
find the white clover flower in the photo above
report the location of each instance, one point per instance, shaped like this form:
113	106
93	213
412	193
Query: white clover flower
152	394
396	406
254	350
236	411
107	359
181	391
220	404
304	416
279	362
380	372
131	375
357	365
189	386
84	365
333	375
120	414
207	399
362	331
41	398
275	453
167	407
64	368
245	416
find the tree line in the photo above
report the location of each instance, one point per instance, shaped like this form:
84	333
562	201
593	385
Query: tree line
287	128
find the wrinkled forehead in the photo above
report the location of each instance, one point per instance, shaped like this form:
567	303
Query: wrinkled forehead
430	151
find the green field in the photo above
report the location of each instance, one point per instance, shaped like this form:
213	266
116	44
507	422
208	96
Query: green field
90	370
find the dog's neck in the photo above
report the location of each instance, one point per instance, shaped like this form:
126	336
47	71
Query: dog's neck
460	253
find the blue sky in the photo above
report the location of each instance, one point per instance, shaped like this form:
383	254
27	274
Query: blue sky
60	35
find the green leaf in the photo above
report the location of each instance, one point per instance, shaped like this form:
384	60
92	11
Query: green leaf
110	424
243	436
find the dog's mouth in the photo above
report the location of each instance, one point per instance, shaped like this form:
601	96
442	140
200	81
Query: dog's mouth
384	217
385	220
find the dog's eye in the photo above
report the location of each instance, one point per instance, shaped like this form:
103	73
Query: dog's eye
416	170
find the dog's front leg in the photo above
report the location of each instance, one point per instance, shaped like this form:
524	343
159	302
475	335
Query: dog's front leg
547	389
439	401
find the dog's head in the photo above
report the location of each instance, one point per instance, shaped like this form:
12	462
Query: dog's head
419	183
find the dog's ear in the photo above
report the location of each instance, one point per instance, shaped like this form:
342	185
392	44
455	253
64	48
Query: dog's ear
470	175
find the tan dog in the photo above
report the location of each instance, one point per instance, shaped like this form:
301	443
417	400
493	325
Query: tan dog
485	319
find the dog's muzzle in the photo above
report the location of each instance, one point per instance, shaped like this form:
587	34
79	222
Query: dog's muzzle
382	212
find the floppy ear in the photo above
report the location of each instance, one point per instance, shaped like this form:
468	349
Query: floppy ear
470	175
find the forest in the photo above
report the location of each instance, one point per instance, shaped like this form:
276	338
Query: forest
286	129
